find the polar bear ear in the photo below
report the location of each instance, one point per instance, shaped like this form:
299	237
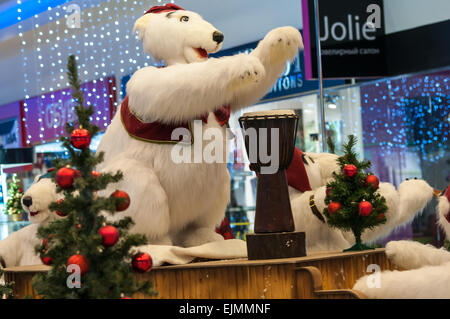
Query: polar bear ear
140	25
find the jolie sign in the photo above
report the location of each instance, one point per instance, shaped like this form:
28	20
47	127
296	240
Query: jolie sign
351	38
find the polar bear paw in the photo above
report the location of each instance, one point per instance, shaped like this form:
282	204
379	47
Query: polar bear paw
283	44
248	70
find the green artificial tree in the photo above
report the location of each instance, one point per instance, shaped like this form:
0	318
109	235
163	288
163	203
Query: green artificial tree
13	204
352	198
6	289
84	243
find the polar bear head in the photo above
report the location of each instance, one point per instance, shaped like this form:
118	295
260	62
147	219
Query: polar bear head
175	35
37	198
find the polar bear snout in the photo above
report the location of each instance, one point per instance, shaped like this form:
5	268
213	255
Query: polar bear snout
218	37
27	201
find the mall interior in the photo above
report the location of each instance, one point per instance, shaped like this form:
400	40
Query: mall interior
394	97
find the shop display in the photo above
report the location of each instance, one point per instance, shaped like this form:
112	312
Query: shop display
189	199
424	267
95	252
166	167
13	206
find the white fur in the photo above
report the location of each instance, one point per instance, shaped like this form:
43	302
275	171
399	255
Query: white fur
423	283
18	248
428	268
181	203
403	205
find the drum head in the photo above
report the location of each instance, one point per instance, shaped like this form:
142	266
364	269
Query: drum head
269	113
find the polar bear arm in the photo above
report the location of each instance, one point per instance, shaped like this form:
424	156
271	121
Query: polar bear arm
183	92
403	205
411	254
428	282
278	46
149	204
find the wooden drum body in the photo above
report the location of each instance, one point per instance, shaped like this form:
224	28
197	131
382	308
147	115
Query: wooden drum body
270	142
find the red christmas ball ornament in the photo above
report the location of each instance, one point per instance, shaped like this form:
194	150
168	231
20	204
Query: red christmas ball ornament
328	190
46	260
95	174
365	208
79	260
60	213
125	203
80	138
44	242
110	235
333	207
142	262
373	180
380	216
65	177
350	170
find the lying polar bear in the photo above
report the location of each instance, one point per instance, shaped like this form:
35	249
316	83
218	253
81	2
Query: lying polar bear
403	205
427	273
18	248
181	203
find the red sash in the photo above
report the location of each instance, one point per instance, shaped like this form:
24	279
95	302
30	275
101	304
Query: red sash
296	173
156	132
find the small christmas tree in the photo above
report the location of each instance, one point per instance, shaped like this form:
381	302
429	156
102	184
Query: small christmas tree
13	204
90	257
353	203
6	289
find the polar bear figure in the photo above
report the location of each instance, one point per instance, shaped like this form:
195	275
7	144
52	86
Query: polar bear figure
403	205
427	268
181	203
18	248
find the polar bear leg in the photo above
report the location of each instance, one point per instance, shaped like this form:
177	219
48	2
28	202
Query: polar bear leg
149	207
410	254
202	231
427	282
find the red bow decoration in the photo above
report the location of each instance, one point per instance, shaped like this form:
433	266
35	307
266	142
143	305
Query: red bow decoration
168	7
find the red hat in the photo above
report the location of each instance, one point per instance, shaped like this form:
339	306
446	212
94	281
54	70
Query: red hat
166	8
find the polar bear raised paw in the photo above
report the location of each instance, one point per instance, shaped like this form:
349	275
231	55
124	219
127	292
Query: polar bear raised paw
284	43
249	70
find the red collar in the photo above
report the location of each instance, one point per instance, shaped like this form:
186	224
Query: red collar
156	132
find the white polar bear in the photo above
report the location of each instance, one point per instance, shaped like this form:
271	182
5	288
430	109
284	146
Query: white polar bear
18	248
403	205
181	203
427	273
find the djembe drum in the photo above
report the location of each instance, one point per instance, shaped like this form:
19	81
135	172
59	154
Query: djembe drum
274	235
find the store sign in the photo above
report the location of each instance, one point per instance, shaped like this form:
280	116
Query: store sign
46	115
351	38
9	133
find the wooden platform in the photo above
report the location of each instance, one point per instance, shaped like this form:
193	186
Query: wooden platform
322	275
